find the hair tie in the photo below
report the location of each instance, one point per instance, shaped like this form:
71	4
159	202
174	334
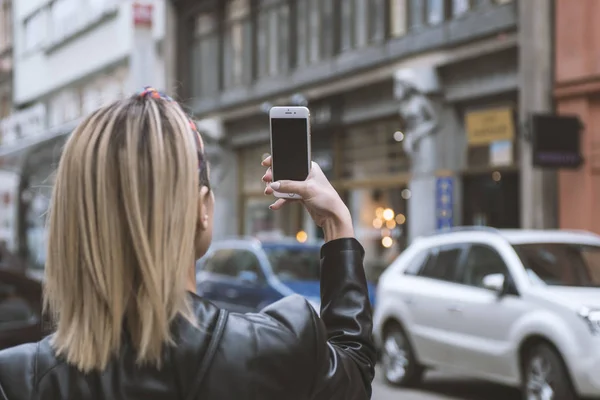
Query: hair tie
151	92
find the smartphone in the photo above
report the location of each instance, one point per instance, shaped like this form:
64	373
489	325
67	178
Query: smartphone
290	145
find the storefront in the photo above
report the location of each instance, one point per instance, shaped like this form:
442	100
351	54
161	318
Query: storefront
356	140
491	187
487	175
32	144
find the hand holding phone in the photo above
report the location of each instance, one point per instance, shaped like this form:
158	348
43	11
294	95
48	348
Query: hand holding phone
290	145
319	198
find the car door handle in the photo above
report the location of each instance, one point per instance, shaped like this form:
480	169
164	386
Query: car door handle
455	309
231	293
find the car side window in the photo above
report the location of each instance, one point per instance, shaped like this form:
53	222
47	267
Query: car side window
14	309
221	263
442	263
481	262
246	261
416	264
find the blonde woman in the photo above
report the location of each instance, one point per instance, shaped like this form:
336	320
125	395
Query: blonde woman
132	209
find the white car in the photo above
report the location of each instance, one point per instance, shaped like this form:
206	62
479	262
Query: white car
517	307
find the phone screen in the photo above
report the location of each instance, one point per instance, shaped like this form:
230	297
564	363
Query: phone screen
289	141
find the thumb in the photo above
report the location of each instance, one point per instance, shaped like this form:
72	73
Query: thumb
295	187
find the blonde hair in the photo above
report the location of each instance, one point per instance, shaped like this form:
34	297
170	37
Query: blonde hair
122	224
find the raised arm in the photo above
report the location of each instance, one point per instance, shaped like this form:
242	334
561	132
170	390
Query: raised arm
342	337
302	356
344	346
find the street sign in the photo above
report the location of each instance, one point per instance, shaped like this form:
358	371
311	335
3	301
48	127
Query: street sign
142	14
444	193
555	141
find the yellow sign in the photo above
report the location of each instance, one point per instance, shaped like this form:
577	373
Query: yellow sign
491	125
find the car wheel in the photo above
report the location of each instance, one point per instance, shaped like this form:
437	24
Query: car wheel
545	376
400	366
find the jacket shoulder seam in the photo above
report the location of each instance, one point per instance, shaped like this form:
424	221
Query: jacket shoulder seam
316	346
3	395
35	370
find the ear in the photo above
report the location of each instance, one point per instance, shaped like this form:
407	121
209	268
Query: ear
202	219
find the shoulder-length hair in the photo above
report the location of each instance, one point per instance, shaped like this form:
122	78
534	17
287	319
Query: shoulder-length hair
122	223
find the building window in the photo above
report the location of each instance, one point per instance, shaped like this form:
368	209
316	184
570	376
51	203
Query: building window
377	16
435	12
347	23
363	21
6	25
205	63
398	20
237	64
460	7
35	31
62	13
416	14
314	30
273	37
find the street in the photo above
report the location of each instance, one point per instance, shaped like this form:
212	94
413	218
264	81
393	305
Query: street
438	386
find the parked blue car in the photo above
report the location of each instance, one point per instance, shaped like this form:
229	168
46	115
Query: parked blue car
246	275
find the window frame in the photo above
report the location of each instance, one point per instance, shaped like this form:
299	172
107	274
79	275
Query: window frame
273	57
428	7
233	251
39	44
244	22
260	273
421	258
211	257
398	9
435	251
453	5
313	31
201	86
461	273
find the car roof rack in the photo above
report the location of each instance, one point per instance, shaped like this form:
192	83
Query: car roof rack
474	228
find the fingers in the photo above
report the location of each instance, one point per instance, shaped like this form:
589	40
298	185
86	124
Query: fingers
268	190
278	204
266	162
295	187
268	176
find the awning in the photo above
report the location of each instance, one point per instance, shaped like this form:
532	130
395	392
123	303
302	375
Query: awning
19	157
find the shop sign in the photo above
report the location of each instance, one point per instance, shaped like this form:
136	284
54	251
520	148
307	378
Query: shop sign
491	125
556	141
23	124
142	15
444	193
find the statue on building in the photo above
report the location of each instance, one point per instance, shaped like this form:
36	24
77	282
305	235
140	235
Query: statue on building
417	112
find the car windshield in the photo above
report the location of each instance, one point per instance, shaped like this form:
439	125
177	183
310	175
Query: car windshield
561	264
294	262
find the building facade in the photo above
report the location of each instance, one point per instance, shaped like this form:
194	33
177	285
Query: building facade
70	57
577	92
415	109
8	180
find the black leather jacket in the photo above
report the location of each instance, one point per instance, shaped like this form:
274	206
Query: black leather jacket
284	352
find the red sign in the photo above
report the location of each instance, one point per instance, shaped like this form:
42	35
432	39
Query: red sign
142	14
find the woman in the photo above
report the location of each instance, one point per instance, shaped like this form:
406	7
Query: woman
131	211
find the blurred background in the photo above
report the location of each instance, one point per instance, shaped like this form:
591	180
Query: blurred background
426	114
